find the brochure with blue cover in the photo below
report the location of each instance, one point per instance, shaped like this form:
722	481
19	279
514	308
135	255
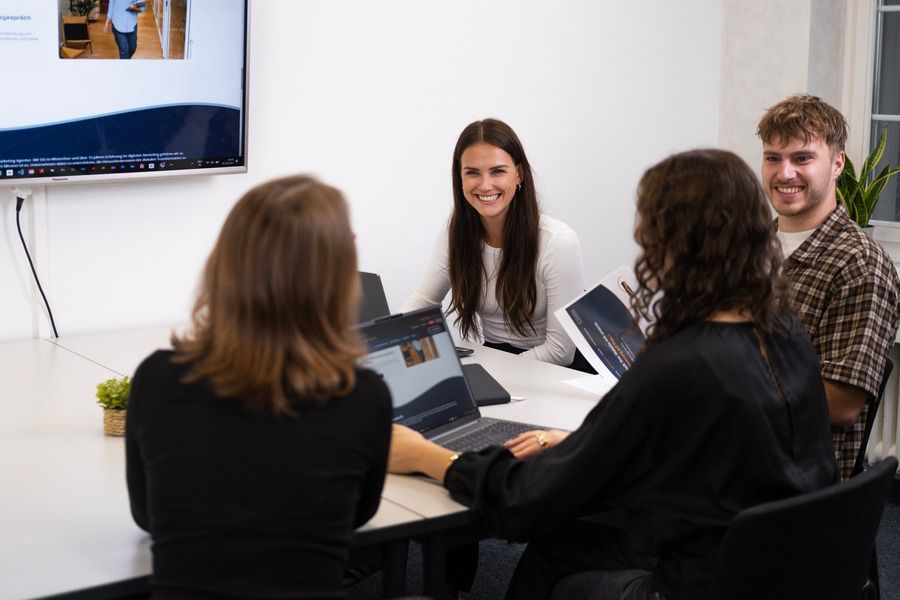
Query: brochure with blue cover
605	326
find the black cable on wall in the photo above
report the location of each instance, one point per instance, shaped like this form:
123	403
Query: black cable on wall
19	201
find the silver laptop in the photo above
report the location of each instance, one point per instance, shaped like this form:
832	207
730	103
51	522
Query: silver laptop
415	355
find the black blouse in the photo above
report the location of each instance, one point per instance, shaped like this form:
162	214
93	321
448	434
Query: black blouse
693	433
249	503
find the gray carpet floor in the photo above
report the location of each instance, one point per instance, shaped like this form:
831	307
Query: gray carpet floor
497	560
888	543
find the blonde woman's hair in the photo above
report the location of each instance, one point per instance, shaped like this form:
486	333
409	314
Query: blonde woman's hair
273	320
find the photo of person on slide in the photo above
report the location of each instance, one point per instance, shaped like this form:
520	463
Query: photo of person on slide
109	29
122	18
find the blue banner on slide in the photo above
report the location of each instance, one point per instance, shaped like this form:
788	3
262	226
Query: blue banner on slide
188	130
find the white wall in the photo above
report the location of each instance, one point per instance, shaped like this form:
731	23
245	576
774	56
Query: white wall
371	97
770	50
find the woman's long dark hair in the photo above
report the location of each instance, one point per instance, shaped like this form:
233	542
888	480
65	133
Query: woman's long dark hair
707	243
516	290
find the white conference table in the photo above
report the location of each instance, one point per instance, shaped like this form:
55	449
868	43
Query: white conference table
65	524
64	516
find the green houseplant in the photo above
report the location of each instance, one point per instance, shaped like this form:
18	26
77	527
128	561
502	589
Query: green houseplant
82	8
112	395
860	194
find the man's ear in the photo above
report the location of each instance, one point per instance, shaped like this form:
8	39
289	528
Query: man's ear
839	162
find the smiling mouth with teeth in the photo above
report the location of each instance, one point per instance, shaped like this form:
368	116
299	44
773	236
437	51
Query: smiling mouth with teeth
490	198
789	190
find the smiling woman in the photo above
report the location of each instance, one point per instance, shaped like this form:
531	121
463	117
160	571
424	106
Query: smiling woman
490	180
507	266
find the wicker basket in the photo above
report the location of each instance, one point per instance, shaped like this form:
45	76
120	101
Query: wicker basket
114	421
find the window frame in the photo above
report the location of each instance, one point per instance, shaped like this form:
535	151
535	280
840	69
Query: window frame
862	74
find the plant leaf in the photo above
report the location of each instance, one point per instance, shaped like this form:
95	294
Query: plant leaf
889	172
847	186
849	170
852	209
873	191
858	194
874	158
872	194
113	393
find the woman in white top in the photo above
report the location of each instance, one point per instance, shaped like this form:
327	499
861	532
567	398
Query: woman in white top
501	259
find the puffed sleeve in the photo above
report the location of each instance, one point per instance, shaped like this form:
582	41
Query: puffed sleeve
435	283
561	270
519	499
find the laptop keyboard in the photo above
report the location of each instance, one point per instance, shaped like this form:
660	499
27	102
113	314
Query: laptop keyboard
492	434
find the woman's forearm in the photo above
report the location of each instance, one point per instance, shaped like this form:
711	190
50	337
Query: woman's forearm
435	460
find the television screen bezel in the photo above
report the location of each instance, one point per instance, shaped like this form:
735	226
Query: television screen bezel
107	177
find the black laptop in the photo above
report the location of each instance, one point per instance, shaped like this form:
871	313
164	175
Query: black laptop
415	355
374	303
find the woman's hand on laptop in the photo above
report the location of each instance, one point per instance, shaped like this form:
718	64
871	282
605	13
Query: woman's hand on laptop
534	442
412	453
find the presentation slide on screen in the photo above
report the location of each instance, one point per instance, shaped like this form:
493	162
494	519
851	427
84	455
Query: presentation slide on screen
412	366
99	92
420	367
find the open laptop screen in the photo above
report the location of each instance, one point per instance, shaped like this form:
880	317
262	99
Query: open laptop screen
415	355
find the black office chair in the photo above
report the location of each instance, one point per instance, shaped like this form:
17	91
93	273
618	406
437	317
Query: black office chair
860	464
872	588
816	545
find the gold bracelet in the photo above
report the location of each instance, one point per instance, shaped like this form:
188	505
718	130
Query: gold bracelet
453	458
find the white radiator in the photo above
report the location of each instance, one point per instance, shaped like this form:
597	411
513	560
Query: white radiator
886	430
883	440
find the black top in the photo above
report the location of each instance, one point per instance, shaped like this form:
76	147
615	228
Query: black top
244	502
693	433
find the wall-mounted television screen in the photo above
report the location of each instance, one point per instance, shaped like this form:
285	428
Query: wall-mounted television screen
113	89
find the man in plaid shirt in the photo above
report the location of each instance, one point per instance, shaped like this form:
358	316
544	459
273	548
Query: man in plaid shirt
843	285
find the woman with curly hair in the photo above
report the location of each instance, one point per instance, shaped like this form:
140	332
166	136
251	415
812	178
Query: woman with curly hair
507	267
722	410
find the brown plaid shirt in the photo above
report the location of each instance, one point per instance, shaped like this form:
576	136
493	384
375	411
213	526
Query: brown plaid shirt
845	290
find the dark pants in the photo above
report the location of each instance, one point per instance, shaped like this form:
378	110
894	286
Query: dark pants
581	559
127	42
580	363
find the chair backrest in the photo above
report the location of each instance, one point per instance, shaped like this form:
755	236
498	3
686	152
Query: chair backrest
816	545
75	29
860	463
